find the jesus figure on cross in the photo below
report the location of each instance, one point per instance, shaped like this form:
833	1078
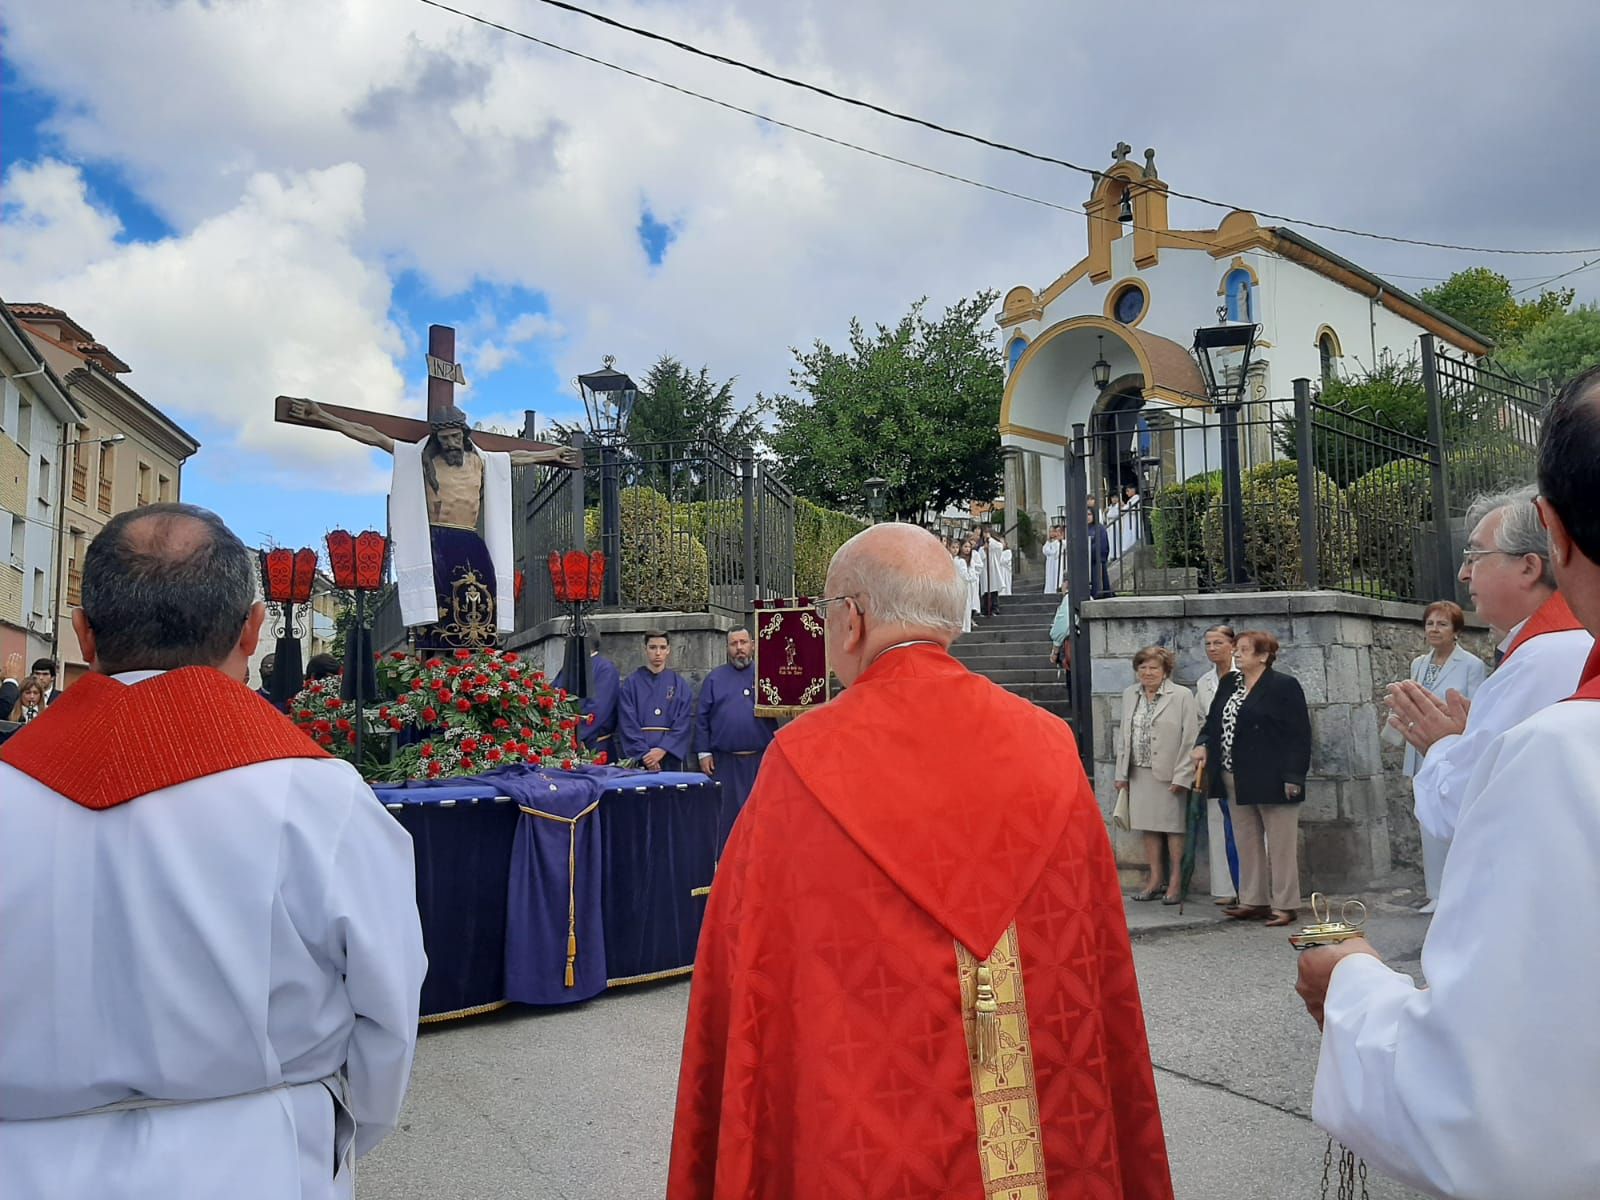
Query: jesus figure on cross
450	520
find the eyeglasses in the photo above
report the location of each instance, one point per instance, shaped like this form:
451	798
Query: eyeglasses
822	606
1471	554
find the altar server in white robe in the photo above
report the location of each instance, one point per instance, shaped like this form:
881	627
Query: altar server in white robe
1483	1084
1005	568
211	957
1051	552
1506	568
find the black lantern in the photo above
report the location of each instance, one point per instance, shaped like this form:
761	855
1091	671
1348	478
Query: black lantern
875	498
1101	368
608	399
1223	352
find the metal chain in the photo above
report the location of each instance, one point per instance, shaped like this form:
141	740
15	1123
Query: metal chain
1362	1168
1327	1165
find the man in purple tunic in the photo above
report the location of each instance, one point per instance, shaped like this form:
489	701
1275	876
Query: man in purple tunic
654	708
601	702
729	736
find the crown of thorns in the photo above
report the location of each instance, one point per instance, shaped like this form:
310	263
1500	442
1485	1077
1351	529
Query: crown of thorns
450	418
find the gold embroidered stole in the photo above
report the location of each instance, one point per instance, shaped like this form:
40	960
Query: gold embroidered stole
1004	1091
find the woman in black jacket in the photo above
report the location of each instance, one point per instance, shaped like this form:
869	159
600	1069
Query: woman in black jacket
1257	743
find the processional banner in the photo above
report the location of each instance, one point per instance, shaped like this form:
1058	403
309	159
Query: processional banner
791	658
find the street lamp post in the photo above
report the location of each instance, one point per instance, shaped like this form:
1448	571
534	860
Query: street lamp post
1223	352
609	397
875	499
59	550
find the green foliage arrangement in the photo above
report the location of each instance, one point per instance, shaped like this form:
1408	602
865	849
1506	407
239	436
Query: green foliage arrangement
818	532
664	566
1177	519
1271	502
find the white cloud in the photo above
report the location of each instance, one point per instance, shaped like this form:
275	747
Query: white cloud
48	226
307	152
267	297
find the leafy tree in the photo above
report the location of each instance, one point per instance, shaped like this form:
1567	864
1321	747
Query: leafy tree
916	403
679	405
1390	396
1559	348
1482	299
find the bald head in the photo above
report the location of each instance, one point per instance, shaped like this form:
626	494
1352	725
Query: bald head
902	586
165	586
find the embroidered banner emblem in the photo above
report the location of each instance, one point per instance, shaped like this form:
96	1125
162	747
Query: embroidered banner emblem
1004	1091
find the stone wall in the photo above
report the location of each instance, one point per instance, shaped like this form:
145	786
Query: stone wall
1355	823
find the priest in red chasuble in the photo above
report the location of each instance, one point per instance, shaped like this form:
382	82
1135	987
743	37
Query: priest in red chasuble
914	980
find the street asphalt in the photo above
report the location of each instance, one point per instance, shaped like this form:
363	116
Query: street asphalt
576	1103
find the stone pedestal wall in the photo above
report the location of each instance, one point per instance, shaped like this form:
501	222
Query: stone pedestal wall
1355	823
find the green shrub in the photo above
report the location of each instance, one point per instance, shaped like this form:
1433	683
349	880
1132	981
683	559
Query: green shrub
1270	495
1177	516
818	532
664	566
1391	504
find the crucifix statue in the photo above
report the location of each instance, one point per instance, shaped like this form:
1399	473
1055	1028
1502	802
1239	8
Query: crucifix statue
449	504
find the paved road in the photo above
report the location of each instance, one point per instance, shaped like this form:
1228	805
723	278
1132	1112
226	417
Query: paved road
576	1103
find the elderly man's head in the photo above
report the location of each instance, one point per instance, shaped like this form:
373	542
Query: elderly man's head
167	586
1569	485
1506	565
890	583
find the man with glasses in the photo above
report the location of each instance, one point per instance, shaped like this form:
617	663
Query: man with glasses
1506	567
913	979
1482	1083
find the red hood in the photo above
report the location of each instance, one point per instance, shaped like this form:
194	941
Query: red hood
105	743
964	833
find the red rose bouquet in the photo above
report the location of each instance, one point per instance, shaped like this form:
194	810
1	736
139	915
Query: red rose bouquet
478	710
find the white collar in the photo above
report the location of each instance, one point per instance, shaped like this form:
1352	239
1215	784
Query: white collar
903	645
1505	645
132	677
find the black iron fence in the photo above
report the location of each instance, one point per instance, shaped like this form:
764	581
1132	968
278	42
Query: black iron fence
686	526
1284	494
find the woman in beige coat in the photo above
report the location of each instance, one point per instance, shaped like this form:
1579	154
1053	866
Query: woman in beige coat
1160	722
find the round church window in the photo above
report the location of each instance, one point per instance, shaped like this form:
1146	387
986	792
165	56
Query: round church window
1128	307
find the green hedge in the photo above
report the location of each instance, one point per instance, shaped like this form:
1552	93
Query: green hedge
664	566
818	532
1271	502
1177	519
1391	503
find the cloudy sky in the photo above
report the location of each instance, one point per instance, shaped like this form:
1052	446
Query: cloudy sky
248	197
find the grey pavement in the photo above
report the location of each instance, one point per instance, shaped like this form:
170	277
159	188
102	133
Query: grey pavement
576	1103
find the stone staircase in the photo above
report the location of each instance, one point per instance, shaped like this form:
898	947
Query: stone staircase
1013	648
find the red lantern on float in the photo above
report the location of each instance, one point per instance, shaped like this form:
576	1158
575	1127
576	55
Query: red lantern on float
357	561
287	575
577	579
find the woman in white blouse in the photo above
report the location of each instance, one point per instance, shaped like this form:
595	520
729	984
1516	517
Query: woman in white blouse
1444	667
1219	644
1160	722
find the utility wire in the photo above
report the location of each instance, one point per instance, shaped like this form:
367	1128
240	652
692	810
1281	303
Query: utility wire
1175	235
1543	283
856	102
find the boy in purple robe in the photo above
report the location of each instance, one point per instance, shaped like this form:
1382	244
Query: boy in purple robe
654	708
601	702
729	736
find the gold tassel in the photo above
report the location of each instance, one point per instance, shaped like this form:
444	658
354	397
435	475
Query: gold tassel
986	1033
572	955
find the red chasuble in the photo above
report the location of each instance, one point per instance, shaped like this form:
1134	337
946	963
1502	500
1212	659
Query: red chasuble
914	977
1555	615
105	743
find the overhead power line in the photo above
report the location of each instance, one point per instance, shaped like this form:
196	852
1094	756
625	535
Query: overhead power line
1544	283
857	102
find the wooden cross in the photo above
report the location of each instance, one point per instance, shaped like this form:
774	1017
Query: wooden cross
443	375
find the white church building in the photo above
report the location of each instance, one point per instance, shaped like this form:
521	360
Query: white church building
1135	300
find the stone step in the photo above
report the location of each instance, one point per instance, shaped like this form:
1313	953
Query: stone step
985	664
1010	678
1017	636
